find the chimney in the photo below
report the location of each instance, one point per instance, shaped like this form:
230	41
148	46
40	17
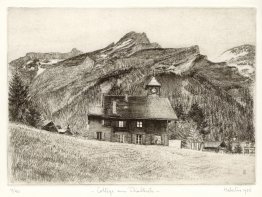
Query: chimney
102	99
126	97
114	107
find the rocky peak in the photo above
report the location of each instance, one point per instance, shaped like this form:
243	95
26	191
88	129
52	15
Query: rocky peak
246	48
76	51
138	38
241	57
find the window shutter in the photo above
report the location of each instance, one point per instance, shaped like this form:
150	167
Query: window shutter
107	123
114	123
133	138
115	137
143	139
95	136
124	123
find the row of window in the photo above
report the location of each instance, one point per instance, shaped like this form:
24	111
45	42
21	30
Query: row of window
121	138
122	123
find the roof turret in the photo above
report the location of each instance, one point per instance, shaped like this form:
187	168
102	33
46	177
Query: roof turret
153	82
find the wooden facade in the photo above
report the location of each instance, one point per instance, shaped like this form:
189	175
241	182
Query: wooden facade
150	132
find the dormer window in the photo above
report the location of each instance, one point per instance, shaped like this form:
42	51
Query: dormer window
139	124
121	123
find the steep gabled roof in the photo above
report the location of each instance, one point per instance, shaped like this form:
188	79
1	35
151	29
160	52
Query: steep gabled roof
46	122
49	126
151	108
139	107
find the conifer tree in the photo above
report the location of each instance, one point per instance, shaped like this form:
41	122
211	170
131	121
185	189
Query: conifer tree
179	111
250	133
238	149
32	115
21	108
18	101
196	114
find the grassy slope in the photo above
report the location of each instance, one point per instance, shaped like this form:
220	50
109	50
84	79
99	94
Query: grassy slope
40	157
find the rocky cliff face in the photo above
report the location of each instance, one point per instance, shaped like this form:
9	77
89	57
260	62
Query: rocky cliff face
242	58
65	91
54	55
33	64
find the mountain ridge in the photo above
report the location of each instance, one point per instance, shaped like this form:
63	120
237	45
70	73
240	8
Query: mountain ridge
67	90
34	63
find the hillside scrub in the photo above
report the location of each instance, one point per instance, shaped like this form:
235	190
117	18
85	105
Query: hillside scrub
65	91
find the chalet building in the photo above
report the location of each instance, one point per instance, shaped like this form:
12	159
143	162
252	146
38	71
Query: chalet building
133	119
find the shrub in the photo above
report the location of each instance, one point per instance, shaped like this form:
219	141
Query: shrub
238	149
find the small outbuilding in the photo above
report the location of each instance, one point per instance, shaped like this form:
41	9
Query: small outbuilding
246	147
215	146
49	125
61	131
66	131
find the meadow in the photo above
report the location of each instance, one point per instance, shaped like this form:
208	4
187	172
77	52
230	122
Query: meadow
41	157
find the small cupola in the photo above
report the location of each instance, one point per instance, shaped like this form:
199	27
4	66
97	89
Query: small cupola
153	87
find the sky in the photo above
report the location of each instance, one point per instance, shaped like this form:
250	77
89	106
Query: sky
88	29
